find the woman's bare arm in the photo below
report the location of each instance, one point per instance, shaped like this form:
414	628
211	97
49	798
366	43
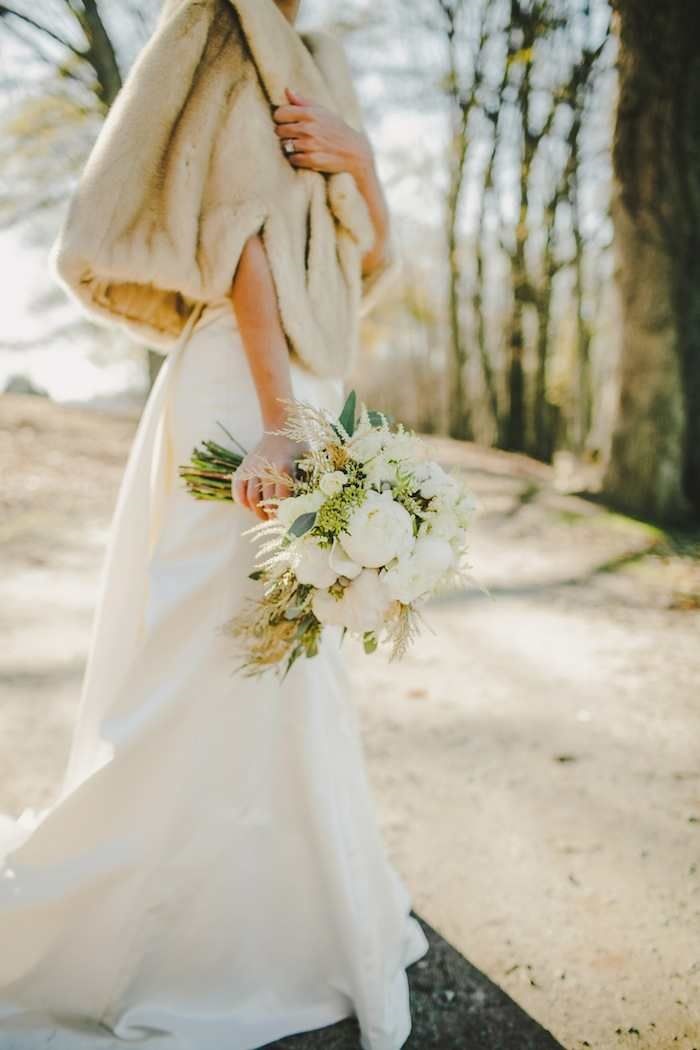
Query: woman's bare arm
254	301
369	185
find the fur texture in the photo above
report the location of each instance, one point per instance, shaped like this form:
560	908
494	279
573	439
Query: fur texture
187	166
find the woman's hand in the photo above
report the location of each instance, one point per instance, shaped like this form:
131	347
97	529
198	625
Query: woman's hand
249	486
322	139
324	142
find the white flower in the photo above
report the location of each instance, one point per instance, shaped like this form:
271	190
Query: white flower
394	454
378	530
311	563
292	507
380	469
332	482
418	572
420	471
365	443
343	565
402	445
458	542
438	482
465	507
439	520
361	608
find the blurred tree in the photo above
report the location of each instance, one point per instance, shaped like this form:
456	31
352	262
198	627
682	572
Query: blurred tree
520	185
655	462
67	72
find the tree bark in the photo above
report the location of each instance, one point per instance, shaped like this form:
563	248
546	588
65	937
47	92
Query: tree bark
458	404
654	468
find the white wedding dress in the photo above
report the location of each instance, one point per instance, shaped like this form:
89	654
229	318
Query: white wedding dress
211	875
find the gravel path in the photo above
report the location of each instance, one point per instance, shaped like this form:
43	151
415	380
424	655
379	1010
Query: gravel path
536	760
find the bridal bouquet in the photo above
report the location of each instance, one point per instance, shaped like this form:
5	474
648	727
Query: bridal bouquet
371	529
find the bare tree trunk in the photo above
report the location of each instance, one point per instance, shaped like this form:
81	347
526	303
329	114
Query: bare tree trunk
459	420
655	461
526	24
458	408
490	382
584	382
543	411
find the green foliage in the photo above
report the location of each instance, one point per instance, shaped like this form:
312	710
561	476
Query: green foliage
302	524
347	416
333	515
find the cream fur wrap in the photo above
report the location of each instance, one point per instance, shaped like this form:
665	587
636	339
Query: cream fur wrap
187	166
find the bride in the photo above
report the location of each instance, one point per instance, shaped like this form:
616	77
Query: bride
212	873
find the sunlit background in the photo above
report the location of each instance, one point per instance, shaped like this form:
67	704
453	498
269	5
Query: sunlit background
536	759
527	214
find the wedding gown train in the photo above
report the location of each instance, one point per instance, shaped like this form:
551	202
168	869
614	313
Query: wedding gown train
212	875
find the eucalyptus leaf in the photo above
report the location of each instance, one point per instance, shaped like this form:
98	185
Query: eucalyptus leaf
347	416
302	524
377	418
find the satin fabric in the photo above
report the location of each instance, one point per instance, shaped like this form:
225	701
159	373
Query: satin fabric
212	873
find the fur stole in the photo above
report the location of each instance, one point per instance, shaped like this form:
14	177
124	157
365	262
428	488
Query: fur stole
187	166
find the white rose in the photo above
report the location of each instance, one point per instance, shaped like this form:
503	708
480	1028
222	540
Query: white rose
292	507
378	530
331	483
311	563
342	563
418	572
361	608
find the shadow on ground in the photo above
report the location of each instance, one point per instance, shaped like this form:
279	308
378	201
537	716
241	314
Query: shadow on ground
453	1006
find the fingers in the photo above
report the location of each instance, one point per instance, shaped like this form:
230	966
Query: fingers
239	486
253	494
296	99
268	492
291	114
246	491
293	130
312	159
303	145
282	490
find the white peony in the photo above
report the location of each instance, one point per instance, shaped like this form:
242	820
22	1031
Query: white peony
420	471
378	530
437	482
292	507
361	608
395	453
439	520
332	482
342	563
311	562
418	572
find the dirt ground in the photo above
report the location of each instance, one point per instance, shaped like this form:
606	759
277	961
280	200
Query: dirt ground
535	760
